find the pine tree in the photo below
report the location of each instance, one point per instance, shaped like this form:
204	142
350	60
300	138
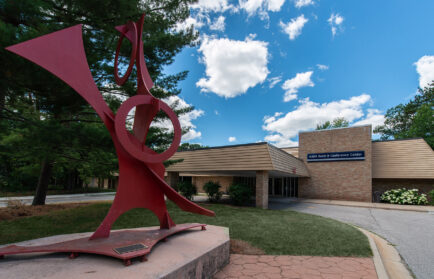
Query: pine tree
47	129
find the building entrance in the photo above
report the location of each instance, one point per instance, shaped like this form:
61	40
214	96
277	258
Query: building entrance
283	187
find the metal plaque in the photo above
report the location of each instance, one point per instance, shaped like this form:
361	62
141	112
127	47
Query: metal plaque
130	248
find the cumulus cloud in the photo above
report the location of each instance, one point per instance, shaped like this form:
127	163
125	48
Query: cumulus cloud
294	84
294	27
322	67
303	3
261	7
425	69
374	117
218	24
335	21
273	81
189	22
212	6
283	128
185	119
232	139
232	67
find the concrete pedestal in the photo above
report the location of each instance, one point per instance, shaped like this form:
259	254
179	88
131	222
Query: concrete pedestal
190	254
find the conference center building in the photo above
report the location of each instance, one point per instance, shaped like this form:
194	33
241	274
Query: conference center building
334	164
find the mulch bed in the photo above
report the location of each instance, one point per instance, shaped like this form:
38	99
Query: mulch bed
18	210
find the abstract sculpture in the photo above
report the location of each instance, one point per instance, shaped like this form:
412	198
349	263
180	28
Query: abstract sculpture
141	171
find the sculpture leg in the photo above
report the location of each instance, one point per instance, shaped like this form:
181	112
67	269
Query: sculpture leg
104	228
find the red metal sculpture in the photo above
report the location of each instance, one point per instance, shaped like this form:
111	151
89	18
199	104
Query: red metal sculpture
141	170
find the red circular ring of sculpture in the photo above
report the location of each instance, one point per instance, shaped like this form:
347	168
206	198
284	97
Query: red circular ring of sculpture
122	133
131	27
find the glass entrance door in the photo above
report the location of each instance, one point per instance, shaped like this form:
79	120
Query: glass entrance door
283	187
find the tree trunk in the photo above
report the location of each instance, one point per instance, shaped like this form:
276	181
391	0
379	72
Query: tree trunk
44	179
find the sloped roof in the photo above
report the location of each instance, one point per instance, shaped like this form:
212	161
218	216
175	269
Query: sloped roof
411	158
245	157
291	150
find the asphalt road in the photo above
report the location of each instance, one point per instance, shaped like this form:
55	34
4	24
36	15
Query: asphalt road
107	196
412	233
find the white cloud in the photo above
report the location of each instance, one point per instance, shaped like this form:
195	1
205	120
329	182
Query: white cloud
302	3
283	128
216	112
425	69
261	6
185	119
212	5
335	21
322	67
232	67
292	85
232	139
218	24
189	22
374	118
273	81
275	5
294	27
280	141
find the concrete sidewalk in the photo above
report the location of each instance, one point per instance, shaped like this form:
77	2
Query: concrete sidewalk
300	267
418	208
105	196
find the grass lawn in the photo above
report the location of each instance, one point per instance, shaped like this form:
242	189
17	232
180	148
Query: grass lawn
275	232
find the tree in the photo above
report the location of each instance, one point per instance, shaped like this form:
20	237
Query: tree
410	120
45	125
190	146
338	122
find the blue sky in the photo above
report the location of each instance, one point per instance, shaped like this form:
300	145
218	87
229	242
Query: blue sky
263	70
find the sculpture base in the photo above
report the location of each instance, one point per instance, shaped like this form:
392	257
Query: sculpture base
125	244
189	254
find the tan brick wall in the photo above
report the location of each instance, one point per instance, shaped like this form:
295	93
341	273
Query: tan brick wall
423	185
225	182
262	189
341	180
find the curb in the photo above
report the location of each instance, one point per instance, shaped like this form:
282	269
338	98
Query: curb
425	208
387	260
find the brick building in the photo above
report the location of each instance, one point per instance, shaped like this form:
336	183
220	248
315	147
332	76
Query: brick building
338	164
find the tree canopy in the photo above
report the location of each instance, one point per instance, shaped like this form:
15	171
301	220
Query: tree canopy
47	131
338	122
411	120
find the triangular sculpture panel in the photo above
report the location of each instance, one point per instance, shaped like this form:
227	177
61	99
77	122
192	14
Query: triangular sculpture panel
141	170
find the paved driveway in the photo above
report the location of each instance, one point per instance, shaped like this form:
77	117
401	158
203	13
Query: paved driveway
411	232
107	196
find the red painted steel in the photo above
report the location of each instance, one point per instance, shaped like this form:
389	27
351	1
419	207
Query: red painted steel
106	247
141	170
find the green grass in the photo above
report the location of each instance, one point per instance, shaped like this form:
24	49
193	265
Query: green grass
275	232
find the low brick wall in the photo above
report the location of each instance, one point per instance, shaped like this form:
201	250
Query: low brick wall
225	182
382	185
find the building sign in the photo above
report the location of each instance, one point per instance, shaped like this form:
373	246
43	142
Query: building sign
336	156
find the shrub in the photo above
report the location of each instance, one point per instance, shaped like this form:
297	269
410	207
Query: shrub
431	195
187	189
212	189
404	196
240	194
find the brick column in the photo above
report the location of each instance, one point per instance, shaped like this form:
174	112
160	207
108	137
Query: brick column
262	189
172	178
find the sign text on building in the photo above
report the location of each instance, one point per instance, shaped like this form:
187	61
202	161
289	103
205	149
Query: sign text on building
336	156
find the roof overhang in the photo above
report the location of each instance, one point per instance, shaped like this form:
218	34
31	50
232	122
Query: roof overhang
239	160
